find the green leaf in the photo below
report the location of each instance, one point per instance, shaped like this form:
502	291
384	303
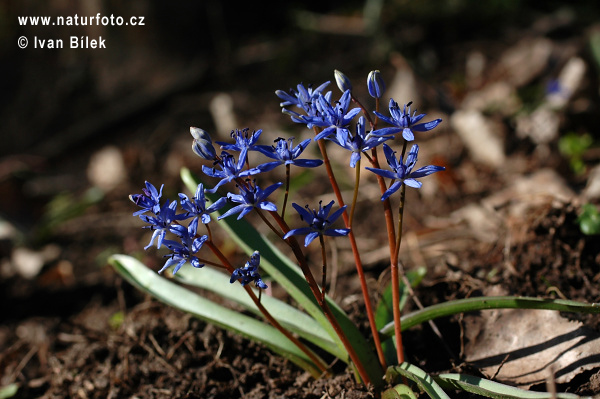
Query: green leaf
290	317
400	391
492	389
488	302
288	275
424	381
589	220
8	391
181	298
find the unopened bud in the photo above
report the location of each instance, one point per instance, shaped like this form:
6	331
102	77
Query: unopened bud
375	84
342	81
202	145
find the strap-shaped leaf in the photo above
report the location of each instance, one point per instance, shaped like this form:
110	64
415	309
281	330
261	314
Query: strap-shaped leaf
425	382
488	302
288	274
183	299
290	317
492	389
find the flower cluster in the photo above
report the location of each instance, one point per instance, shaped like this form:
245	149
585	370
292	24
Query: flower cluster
331	120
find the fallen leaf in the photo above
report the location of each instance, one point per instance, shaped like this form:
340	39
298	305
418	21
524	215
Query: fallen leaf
523	347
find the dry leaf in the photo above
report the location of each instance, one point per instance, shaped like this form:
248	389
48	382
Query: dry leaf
522	346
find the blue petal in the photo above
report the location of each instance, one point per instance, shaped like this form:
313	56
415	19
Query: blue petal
267	206
232	211
310	237
181	263
354	158
265	167
408	134
297	232
386	131
336	232
308	163
393	188
325	133
383	173
427	170
413	183
269	190
245	211
423	127
305	214
336	214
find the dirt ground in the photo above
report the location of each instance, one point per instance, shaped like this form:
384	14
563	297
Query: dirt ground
82	130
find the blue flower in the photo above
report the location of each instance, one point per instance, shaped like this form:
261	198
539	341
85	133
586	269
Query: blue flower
202	145
404	122
184	250
360	142
302	98
251	197
196	207
318	223
161	222
284	154
230	170
335	119
249	272
402	171
244	141
149	201
375	84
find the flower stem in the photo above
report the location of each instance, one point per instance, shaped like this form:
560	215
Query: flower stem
287	189
389	222
267	315
324	274
355	194
320	299
356	254
395	272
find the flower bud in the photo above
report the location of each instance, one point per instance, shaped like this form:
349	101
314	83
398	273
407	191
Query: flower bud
342	81
202	145
375	84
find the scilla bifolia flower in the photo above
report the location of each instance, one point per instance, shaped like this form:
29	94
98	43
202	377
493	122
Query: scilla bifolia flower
244	141
161	222
360	142
149	201
249	272
251	196
404	122
284	154
230	170
402	171
318	223
302	98
184	250
334	119
196	207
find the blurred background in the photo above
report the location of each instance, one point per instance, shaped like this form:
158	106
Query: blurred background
516	83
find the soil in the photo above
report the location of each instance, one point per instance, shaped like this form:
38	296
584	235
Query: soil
72	328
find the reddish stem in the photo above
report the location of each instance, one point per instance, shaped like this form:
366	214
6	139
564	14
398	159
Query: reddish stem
356	254
320	299
318	362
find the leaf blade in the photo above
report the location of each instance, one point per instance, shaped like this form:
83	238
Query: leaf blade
165	291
